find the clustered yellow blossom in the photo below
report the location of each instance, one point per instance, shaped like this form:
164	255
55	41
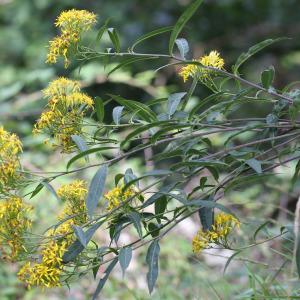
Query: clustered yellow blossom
117	196
48	272
223	225
14	224
213	59
64	113
10	148
72	24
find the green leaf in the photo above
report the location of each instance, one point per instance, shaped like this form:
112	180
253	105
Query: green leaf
247	180
117	113
87	152
104	279
199	163
297	240
153	229
99	107
76	247
254	164
296	173
253	50
114	37
267	77
125	256
207	204
80	235
173	102
151	34
206	215
153	173
143	128
260	227
129	61
160	205
96	190
230	259
38	188
80	143
183	47
140	109
136	221
152	262
101	31
187	14
50	188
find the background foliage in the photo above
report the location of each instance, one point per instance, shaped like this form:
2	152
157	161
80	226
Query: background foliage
230	26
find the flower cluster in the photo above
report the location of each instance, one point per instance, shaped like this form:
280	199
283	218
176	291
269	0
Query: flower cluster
72	24
213	59
48	272
14	224
64	113
117	196
223	225
10	148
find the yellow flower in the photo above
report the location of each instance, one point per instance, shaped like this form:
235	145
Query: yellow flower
14	223
10	149
74	195
43	275
72	24
223	225
64	113
76	20
213	59
116	196
49	270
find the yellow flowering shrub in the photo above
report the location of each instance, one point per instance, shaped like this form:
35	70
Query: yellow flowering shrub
170	132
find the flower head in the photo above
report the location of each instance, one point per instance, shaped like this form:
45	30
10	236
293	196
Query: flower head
117	196
72	24
213	59
48	271
65	111
10	149
14	224
76	20
223	225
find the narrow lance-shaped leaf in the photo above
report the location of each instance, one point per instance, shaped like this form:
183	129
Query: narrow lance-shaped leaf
104	279
136	221
117	113
187	14
151	34
80	235
99	107
267	77
183	47
255	165
253	50
125	256
96	190
50	188
80	143
152	262
114	38
173	102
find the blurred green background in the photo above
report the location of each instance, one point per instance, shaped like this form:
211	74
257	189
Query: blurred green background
229	26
